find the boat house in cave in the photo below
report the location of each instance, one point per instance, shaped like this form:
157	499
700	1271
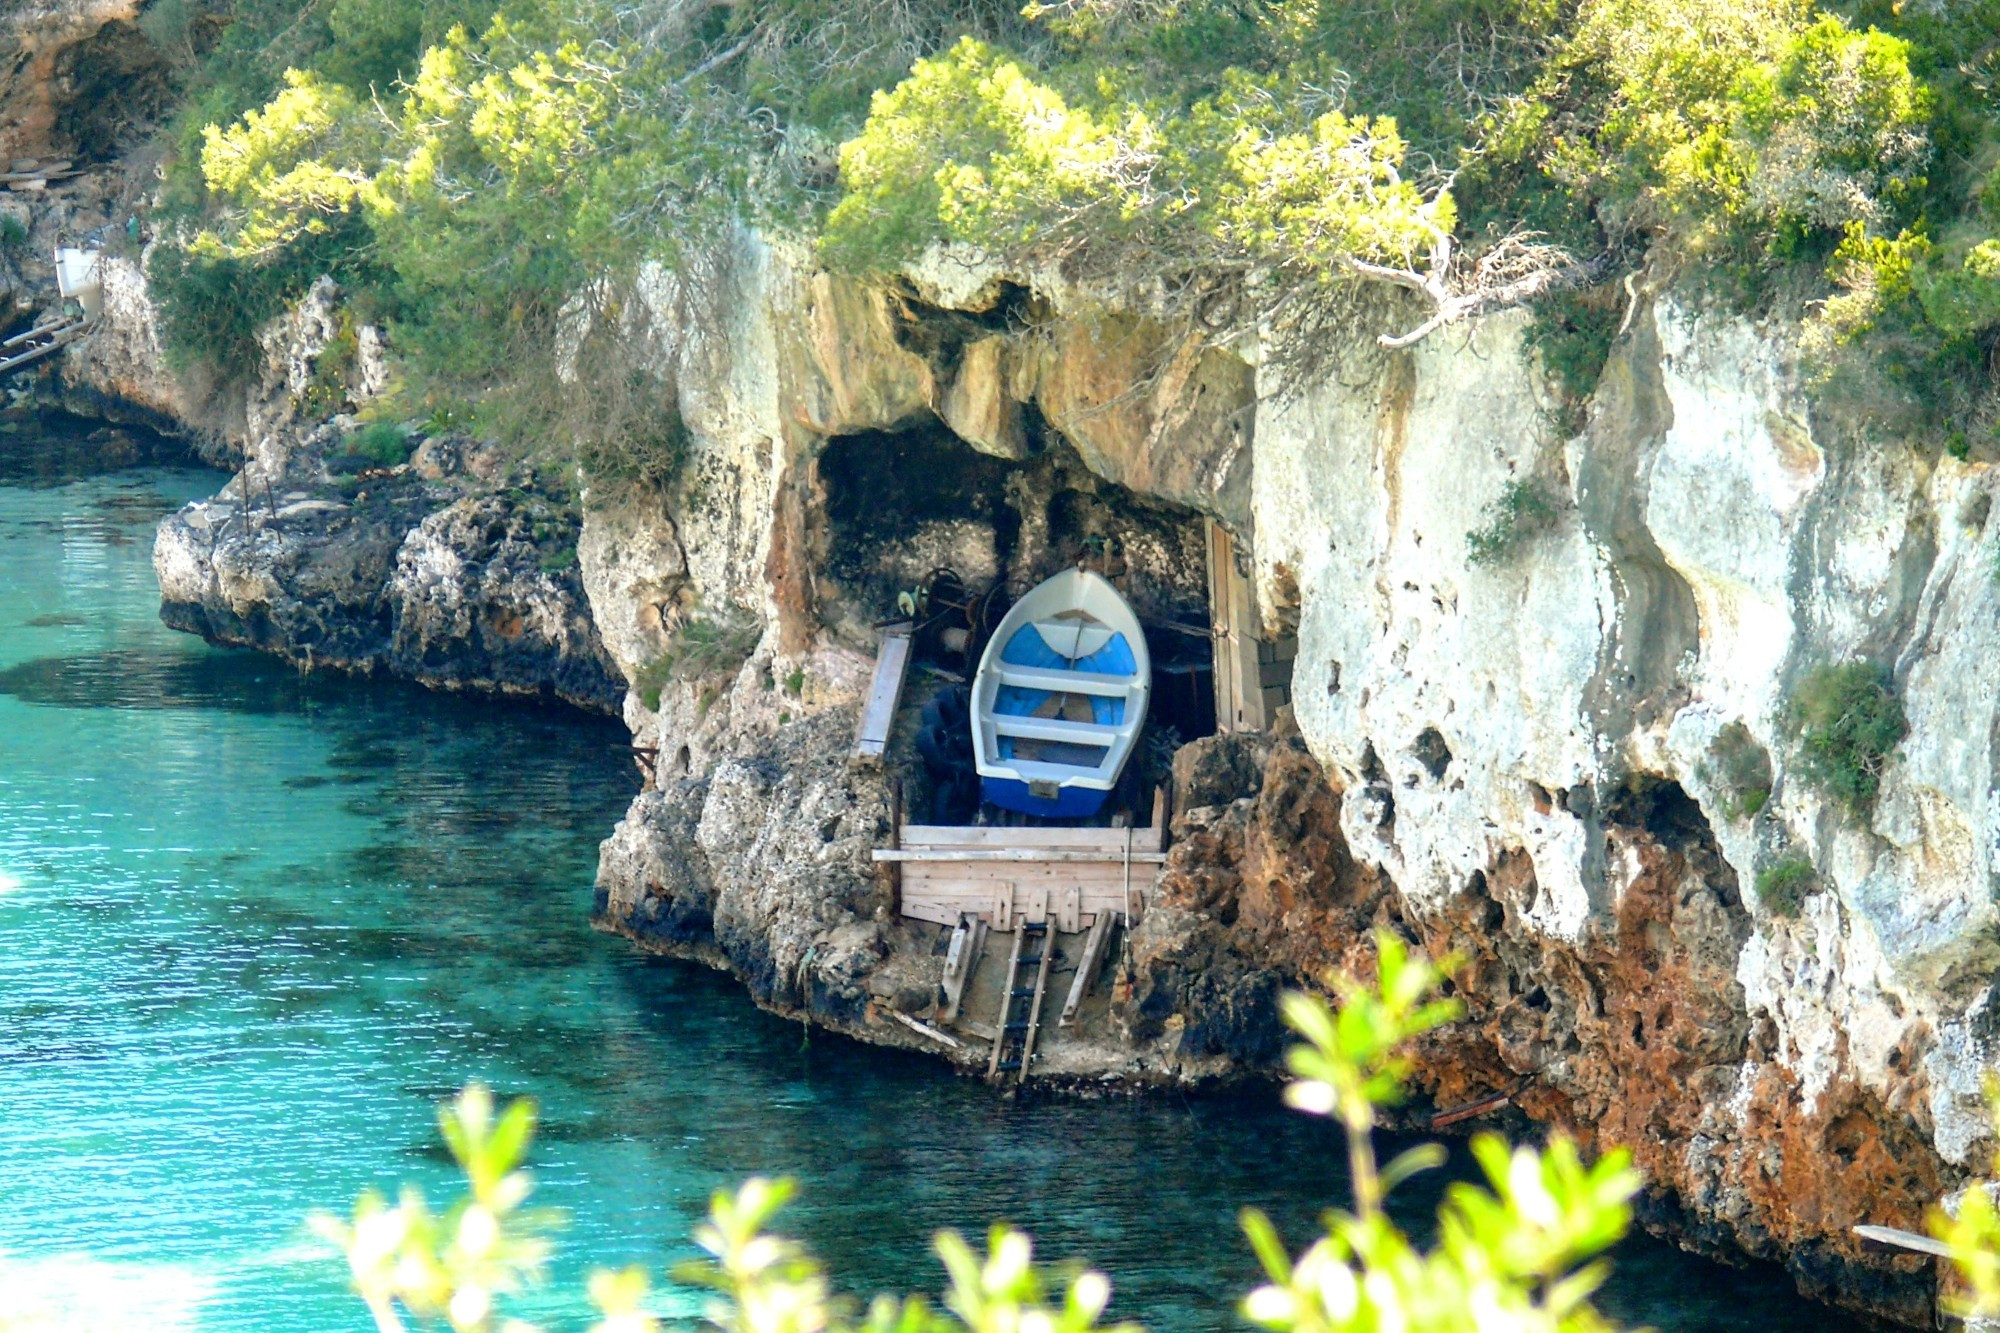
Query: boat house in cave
1032	914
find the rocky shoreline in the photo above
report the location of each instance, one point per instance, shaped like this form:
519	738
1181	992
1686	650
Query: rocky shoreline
404	577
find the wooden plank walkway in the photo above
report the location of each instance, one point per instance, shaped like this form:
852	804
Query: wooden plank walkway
1005	875
43	340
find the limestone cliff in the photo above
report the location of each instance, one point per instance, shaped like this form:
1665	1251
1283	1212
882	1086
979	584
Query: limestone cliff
1513	759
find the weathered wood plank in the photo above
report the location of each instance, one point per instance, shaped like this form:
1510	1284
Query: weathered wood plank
947	913
1239	706
1086	968
946	836
927	1030
1011	855
927	881
943	914
885	693
980	889
967	941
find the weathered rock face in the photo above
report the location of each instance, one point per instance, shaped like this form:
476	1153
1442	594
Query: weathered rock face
60	62
1720	542
405	578
1510	759
119	372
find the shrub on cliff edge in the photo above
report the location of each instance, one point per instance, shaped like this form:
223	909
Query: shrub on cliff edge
1740	770
1523	509
1782	885
1849	721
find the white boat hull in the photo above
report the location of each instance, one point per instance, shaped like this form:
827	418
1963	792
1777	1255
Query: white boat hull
1060	698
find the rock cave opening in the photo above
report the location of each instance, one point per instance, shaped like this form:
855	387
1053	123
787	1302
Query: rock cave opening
918	520
107	89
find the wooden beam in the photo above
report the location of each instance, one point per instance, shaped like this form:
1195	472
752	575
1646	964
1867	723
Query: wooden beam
1471	1109
967	942
1032	855
1232	608
1904	1240
38	330
1110	840
1035	908
1086	968
926	1029
885	693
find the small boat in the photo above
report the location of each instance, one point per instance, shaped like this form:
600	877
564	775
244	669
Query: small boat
1060	698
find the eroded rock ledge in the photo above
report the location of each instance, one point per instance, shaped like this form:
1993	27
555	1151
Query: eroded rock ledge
406	578
452	569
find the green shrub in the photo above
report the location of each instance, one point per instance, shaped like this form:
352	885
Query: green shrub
212	304
489	173
701	649
384	444
1849	722
1783	885
1524	509
1740	770
1573	333
13	232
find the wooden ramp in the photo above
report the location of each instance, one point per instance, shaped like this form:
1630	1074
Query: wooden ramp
885	693
44	339
1006	876
1021	1006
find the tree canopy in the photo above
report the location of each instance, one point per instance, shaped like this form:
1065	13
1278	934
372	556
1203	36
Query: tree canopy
1476	152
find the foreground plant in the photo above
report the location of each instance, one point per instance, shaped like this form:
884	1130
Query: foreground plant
1972	1231
458	1265
1513	1257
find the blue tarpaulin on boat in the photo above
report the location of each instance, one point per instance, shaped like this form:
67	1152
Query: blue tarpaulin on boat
1029	649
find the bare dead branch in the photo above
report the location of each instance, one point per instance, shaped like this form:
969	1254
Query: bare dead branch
1545	281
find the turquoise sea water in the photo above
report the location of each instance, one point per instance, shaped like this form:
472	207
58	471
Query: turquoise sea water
253	928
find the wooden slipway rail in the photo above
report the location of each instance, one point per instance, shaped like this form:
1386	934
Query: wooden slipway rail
45	339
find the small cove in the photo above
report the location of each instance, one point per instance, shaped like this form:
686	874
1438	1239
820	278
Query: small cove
254	926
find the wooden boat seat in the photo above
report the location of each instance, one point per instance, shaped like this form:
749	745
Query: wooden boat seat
1069	682
1054	729
1074	638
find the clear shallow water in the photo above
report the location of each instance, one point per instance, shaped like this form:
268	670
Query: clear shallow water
253	928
